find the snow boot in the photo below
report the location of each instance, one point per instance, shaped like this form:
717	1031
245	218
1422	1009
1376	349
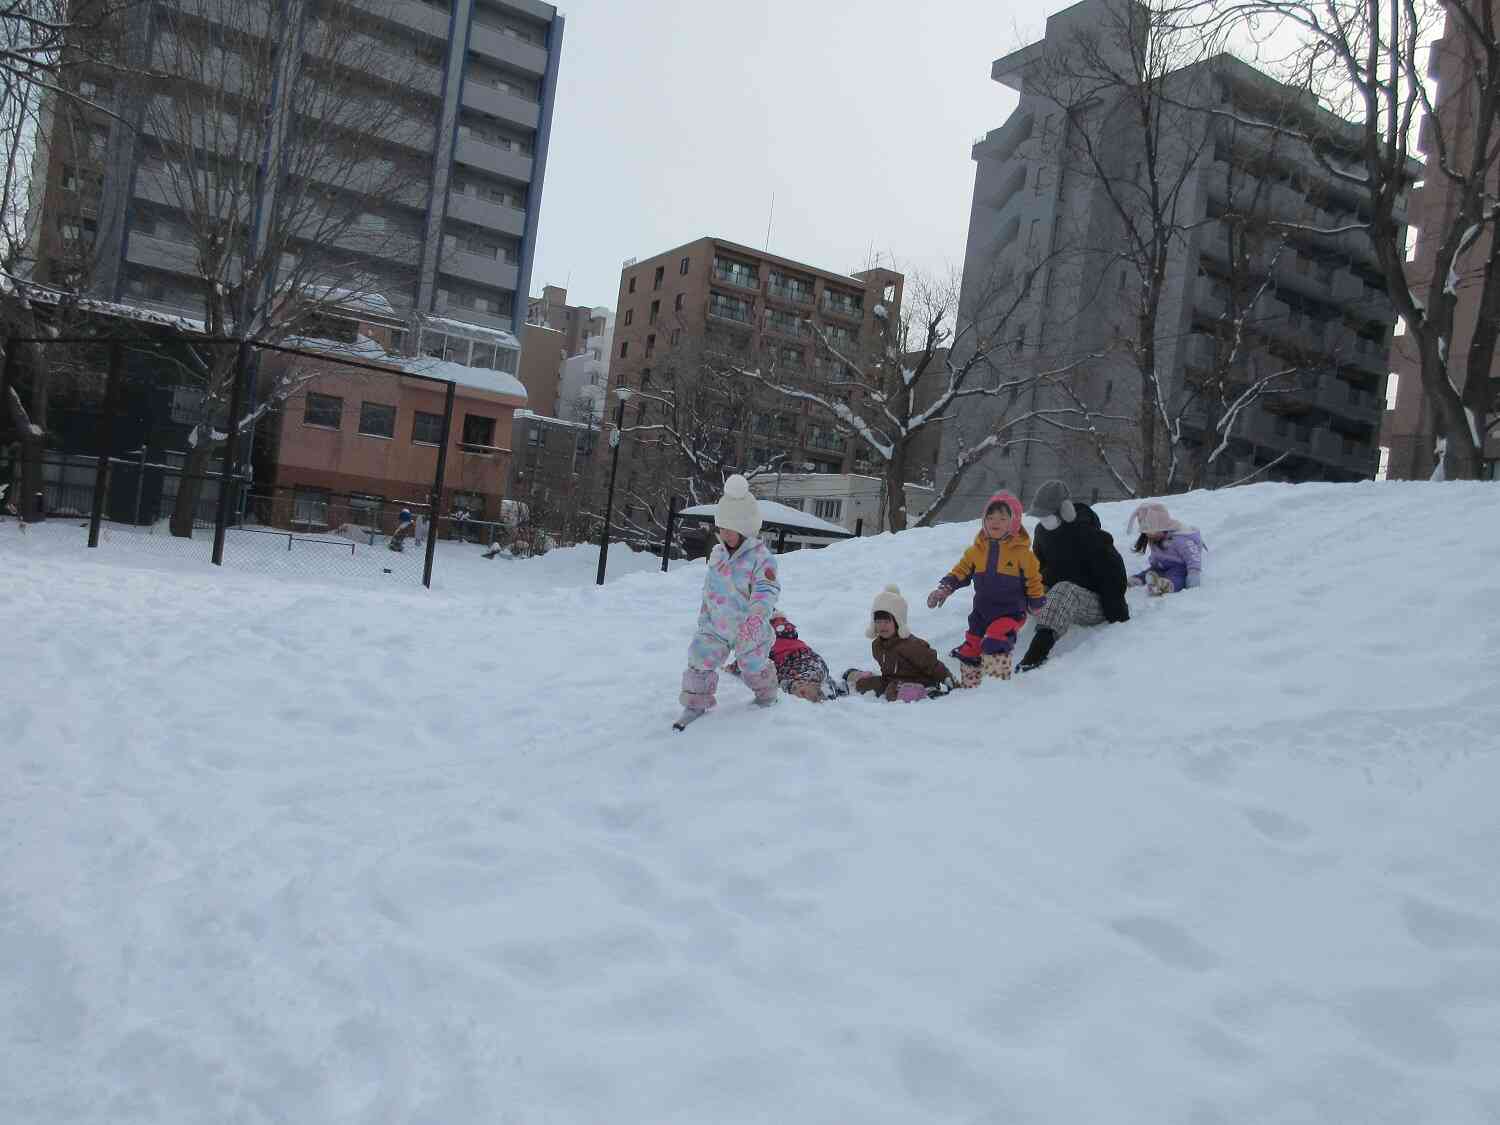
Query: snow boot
996	665
971	650
1157	584
1039	649
689	716
969	676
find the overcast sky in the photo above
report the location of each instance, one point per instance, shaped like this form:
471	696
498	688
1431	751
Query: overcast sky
679	118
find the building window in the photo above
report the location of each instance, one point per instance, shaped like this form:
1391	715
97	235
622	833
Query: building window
737	273
682	266
630	286
479	430
364	511
310	507
323	410
426	429
676	335
650	345
1391	382
660	272
536	435
828	509
655	311
624	348
377	419
1384	471
677	302
629	316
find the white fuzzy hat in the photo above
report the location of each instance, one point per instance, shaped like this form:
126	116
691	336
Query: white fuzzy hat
890	601
737	509
1152	518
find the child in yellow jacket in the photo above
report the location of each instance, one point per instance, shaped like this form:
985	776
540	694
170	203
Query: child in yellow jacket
1007	584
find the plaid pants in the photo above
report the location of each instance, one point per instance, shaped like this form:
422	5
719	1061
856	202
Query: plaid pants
1067	605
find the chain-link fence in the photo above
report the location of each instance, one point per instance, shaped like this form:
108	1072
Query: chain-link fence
334	464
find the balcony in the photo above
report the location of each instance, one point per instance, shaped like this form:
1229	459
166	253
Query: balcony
741	278
789	294
787	325
484	213
741	312
832	306
426	18
493	272
502	104
162	254
477	153
494	43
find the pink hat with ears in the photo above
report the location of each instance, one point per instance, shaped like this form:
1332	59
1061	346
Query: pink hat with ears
1152	518
1010	501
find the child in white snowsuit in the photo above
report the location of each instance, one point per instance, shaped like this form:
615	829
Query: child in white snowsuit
739	600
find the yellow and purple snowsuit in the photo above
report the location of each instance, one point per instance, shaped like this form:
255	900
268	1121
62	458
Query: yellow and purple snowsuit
1007	584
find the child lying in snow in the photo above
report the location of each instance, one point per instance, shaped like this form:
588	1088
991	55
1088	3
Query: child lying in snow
909	668
799	670
1176	551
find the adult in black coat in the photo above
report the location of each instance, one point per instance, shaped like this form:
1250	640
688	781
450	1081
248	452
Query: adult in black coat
1083	573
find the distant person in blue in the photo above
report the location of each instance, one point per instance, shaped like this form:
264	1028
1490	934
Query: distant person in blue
406	527
1176	551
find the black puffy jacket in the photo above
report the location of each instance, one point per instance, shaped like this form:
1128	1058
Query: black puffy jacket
1082	552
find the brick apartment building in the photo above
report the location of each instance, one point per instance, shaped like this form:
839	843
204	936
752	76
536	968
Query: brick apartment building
712	302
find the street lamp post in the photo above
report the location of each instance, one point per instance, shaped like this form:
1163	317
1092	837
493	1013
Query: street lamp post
609	501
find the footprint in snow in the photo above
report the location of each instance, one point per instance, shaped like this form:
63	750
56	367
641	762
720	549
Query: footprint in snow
1441	927
1275	826
1168	942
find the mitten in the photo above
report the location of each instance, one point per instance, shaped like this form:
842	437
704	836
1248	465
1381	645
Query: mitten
1158	584
892	692
938	597
1136	580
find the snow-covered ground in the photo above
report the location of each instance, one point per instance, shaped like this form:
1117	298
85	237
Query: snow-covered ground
318	851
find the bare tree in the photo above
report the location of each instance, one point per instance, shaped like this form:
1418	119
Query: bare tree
1368	61
926	363
280	145
57	61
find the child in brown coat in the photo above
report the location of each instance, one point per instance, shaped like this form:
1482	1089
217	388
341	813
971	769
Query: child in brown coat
909	667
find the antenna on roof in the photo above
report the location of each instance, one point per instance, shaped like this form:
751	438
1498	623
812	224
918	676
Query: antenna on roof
772	215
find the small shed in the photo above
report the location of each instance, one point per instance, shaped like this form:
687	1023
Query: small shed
781	525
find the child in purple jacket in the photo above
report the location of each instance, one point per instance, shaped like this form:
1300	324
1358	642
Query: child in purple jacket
1176	551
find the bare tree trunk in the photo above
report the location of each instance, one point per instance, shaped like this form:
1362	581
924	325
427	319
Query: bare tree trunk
895	488
190	488
1479	395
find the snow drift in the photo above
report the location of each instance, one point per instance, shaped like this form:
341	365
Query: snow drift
279	851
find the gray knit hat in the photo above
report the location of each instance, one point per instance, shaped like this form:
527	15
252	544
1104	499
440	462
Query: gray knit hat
1052	499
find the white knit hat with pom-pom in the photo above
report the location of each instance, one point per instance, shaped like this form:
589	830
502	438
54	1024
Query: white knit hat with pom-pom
737	509
890	601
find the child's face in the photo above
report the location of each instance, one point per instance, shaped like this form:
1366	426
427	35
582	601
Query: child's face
730	539
997	523
885	628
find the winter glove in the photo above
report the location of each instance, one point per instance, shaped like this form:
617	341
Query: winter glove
1158	584
938	597
892	692
752	630
1136	580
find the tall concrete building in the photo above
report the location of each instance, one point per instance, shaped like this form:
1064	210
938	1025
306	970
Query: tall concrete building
477	85
1408	436
712	302
1042	212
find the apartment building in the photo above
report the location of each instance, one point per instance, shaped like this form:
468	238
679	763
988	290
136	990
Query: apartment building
712	302
554	471
1041	212
1409	435
475	82
542	357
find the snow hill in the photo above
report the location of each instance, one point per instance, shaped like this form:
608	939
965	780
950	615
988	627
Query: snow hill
300	852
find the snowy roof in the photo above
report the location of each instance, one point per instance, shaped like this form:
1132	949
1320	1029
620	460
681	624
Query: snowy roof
776	515
474	331
549	420
478	378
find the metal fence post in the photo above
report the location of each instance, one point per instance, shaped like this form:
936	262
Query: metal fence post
859	527
106	439
437	487
666	543
229	469
781	541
